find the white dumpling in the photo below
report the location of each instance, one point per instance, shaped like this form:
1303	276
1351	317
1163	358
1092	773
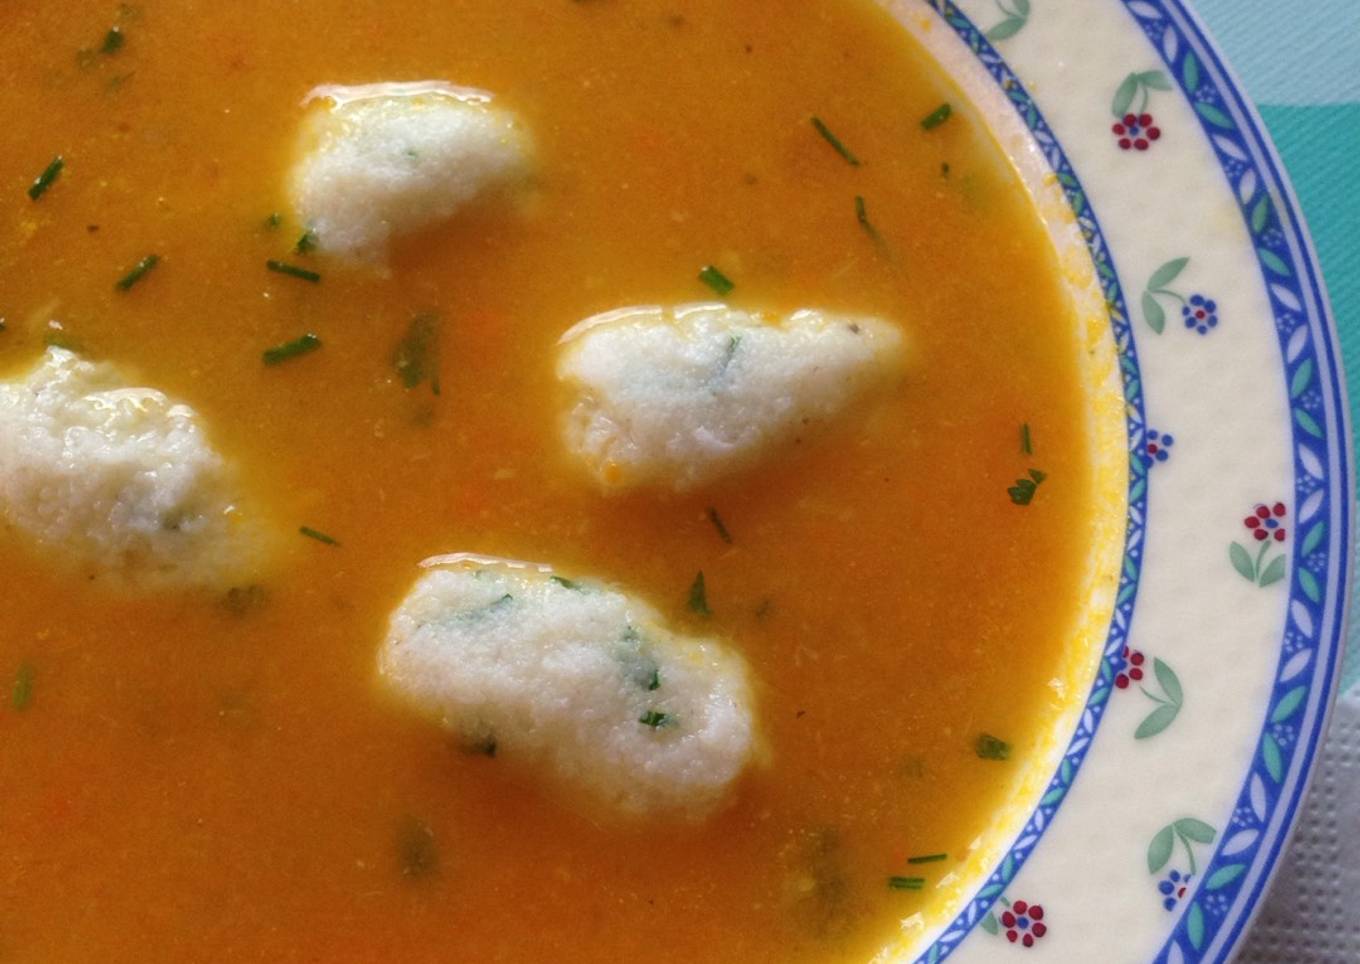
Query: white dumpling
575	680
378	161
680	396
118	481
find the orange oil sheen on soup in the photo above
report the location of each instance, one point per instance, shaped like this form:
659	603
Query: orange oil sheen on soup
189	782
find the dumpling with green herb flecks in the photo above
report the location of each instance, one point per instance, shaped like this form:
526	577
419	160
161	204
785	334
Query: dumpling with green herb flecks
381	160
679	396
575	680
119	481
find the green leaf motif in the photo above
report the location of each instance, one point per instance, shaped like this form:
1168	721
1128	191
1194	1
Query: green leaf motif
1153	313
1157	721
1241	560
990	924
1270	754
1272	261
1154	79
1309	584
1313	539
1190	72
1196	830
1289	704
1273	573
1167	273
1307	423
1224	876
1303	377
1123	97
1171	683
1213	115
1006	29
1260	214
1159	850
1194	926
1022	7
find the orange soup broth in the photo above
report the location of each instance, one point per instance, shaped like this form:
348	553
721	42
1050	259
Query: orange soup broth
188	782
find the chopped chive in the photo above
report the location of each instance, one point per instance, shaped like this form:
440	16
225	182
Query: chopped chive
989	747
45	180
21	696
937	117
113	41
654	683
906	883
416	357
717	521
1022	493
715	279
654	719
698	596
291	349
311	533
566	583
835	142
862	216
292	270
306	243
927	858
944	169
138	272
1026	443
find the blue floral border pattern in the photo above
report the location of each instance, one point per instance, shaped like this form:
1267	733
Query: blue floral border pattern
1233	882
1111	660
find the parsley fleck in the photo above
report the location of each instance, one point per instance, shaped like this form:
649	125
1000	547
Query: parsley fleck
567	584
927	859
1022	493
45	180
273	221
301	345
655	719
906	883
1026	443
862	216
113	41
989	747
138	272
698	596
306	243
292	270
416	851
937	117
416	357
715	279
21	696
717	521
654	683
319	536
835	142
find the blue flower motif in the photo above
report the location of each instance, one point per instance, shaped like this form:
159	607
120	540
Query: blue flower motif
1158	446
1200	314
1173	888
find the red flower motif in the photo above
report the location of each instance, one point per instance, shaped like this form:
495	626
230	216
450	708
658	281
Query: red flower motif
1132	670
1024	923
1265	522
1135	131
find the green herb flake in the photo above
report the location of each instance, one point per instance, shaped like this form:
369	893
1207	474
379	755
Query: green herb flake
417	854
416	357
319	536
715	279
937	117
654	682
301	345
717	521
273	221
989	747
241	600
906	883
655	719
138	272
835	142
1026	442
927	859
113	41
1022	493
862	216
307	243
698	596
292	270
47	178
21	696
